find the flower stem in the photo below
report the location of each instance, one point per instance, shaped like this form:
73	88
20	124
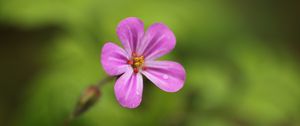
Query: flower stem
104	81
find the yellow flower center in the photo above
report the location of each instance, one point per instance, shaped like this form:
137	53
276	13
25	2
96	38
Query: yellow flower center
136	62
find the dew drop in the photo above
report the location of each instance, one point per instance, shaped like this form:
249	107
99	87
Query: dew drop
165	76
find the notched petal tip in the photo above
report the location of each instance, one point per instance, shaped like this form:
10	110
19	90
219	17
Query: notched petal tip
134	19
131	105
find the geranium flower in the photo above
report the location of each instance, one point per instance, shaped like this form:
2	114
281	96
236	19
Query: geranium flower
139	58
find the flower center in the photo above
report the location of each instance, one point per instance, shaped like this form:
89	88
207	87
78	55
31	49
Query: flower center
136	62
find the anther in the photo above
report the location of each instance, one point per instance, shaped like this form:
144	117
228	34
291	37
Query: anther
137	64
135	70
130	62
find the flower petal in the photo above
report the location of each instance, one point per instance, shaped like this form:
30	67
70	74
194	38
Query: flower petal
130	31
129	89
114	59
157	41
167	75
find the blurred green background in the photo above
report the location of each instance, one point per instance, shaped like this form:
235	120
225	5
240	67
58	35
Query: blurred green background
241	58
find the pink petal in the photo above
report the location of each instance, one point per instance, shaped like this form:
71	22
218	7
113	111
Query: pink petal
114	59
167	75
130	32
129	89
158	41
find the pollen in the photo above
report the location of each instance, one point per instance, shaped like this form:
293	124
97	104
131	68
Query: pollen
136	62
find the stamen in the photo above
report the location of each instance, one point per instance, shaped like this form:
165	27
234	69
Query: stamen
130	62
135	70
136	62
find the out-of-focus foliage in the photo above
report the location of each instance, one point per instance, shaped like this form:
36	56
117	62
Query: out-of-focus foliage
241	69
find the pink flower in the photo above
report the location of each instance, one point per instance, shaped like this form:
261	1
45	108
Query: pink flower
139	58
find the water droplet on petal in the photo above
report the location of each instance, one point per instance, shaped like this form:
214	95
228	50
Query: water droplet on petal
165	76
